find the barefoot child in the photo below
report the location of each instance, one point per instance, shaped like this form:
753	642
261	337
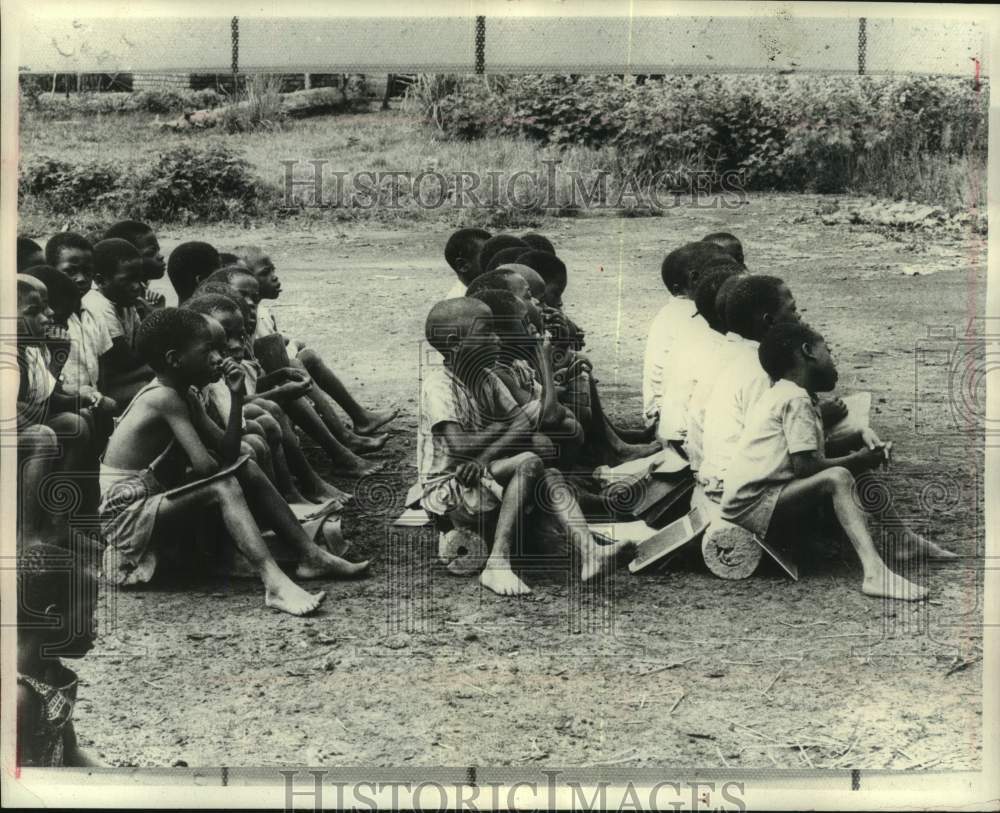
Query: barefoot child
472	466
779	472
119	276
145	515
56	600
366	422
461	252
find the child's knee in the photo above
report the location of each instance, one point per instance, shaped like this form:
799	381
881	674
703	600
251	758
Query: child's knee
530	464
308	357
254	446
839	479
37	439
270	407
542	446
69	426
272	429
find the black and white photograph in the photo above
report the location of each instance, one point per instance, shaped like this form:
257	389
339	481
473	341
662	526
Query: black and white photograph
565	405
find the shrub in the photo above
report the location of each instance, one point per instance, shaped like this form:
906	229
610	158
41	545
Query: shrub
66	188
188	182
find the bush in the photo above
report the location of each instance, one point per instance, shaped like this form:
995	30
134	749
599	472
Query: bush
801	133
65	188
188	183
165	101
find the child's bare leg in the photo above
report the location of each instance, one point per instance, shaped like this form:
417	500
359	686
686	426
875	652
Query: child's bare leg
38	452
365	421
519	475
303	414
566	509
613	449
254	438
272	512
838	484
915	545
78	460
275	442
176	519
328	412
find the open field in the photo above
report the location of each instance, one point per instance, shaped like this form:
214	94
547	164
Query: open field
416	667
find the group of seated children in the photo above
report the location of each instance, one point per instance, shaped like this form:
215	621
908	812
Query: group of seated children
731	379
147	414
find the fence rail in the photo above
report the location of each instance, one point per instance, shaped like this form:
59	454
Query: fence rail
657	45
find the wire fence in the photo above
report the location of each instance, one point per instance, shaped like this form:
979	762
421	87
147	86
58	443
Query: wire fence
103	53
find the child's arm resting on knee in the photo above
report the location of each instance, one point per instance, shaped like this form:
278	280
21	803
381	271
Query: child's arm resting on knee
235	378
178	417
806	464
496	440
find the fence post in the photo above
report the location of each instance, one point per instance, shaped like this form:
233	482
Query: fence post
862	45
480	44
236	52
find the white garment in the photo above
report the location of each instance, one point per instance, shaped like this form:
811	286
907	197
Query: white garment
88	341
671	320
40	383
715	355
740	385
457	290
680	369
265	322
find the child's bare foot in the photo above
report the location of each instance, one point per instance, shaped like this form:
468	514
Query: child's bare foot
635	451
887	584
374	421
322	563
290	598
322	492
918	546
364	445
355	466
502	581
295	496
599	556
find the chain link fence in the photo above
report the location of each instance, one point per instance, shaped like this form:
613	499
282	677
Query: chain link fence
181	52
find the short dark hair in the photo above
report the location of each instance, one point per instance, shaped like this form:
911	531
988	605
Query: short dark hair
501	301
539	242
498	243
721	297
130	231
228	258
727	242
491	281
164	330
26	247
504	257
226	274
189	264
778	348
208	303
63	293
109	254
706	292
701	270
464	244
61	240
549	266
224	289
677	266
749	296
46	574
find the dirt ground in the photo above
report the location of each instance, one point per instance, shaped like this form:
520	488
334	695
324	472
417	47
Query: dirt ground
415	667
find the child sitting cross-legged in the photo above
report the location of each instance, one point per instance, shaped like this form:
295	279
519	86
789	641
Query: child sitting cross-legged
150	505
329	388
56	600
471	451
780	473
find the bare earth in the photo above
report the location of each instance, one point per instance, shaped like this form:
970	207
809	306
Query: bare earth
415	667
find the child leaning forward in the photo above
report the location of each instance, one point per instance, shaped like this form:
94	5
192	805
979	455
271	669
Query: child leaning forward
780	469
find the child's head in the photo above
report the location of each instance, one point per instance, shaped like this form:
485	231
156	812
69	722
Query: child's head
143	238
63	295
228	312
512	316
795	348
179	343
118	271
227	259
72	254
259	264
678	265
721	297
461	252
189	264
29	253
553	273
727	242
33	312
535	282
705	296
502	281
756	303
506	256
56	601
461	330
539	242
496	244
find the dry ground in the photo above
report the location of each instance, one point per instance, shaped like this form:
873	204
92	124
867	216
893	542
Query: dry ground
416	667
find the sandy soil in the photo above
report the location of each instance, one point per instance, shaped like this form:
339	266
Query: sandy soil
414	666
